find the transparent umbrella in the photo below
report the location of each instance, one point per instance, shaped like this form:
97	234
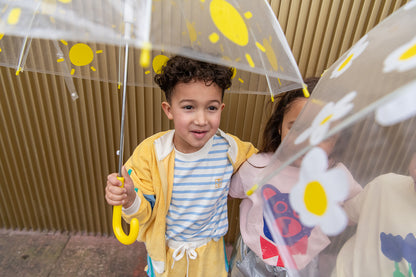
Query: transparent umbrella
67	37
338	198
242	34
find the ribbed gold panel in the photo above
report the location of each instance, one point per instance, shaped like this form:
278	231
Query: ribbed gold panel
320	31
56	152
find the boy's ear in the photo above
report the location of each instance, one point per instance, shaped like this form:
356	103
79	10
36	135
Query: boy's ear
222	106
166	108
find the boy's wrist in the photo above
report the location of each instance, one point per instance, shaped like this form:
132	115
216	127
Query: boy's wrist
132	207
130	201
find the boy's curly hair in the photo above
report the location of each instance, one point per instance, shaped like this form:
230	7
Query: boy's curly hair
179	69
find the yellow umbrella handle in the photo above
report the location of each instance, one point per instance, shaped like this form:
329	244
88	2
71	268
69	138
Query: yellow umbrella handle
117	228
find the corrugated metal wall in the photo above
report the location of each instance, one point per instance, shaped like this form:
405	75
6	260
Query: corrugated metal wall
56	152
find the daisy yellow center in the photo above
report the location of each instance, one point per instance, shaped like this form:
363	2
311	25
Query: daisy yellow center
326	119
315	198
409	53
347	60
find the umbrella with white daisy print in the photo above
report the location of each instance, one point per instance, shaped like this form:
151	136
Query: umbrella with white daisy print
338	196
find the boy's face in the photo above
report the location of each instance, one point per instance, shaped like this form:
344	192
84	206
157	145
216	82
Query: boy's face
196	113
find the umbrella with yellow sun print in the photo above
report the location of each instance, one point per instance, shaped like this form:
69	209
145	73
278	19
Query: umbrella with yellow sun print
103	39
242	34
338	197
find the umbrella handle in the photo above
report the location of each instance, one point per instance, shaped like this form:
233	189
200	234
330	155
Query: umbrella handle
117	228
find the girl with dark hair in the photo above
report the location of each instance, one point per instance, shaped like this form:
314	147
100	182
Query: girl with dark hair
256	253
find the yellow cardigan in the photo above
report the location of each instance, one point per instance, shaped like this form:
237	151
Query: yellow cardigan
152	165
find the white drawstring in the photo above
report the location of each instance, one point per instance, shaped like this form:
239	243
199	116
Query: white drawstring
186	248
180	251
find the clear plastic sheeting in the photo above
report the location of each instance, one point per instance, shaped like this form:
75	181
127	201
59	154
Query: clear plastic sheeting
339	196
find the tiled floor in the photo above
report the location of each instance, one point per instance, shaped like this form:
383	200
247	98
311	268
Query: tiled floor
54	254
45	254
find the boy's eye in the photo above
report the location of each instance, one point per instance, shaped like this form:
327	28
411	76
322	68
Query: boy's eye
212	108
187	107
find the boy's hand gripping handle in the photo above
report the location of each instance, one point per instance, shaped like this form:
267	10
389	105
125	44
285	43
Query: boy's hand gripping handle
117	228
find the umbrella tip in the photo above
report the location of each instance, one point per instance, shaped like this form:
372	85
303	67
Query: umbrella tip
252	190
18	71
145	54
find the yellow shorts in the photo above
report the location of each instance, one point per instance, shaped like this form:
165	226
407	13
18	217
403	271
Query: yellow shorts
210	260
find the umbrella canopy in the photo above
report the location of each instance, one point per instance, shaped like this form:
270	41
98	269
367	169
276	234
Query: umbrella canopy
338	196
242	34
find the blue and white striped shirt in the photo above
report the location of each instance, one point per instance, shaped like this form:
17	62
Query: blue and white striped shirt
199	198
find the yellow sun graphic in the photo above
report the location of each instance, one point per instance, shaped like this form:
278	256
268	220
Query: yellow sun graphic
234	70
271	55
14	16
231	24
80	54
47	7
193	34
50	7
158	62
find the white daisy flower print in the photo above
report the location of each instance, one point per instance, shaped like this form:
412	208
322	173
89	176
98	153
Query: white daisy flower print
400	108
401	59
409	5
329	113
354	52
317	194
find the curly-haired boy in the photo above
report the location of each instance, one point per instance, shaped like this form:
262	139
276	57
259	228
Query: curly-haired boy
182	176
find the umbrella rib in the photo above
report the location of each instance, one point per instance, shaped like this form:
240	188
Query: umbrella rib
128	19
123	111
68	80
22	56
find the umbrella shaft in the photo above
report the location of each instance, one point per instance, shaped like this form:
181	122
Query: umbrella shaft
123	111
